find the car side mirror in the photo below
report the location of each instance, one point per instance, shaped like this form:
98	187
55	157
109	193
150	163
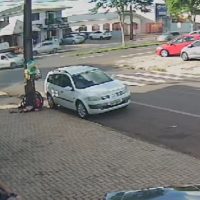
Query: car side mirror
190	46
68	88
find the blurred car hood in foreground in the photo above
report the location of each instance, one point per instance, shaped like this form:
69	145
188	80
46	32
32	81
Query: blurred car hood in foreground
160	193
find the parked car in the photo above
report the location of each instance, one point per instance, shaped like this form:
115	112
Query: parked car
72	39
86	89
195	32
79	34
175	46
191	51
10	60
159	193
86	33
106	35
167	36
48	46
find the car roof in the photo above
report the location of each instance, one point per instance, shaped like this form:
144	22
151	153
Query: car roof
76	69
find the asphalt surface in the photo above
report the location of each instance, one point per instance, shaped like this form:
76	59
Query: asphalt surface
168	116
49	62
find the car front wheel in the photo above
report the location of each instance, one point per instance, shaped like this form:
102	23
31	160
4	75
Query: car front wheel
81	110
184	56
51	102
164	53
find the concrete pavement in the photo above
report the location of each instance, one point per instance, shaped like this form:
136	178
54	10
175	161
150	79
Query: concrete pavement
52	154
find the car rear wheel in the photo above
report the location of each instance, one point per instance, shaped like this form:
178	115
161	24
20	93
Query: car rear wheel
13	65
51	102
35	53
91	38
184	56
164	53
55	50
81	110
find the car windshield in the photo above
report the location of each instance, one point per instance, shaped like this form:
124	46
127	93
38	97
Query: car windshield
90	78
11	55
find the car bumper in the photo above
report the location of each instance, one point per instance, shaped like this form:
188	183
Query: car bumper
158	51
109	106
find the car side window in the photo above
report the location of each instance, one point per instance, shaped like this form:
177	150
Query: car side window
188	39
50	79
65	81
3	58
46	44
196	44
178	40
56	79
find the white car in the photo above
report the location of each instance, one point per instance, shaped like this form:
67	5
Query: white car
195	32
86	89
100	35
72	39
47	46
10	60
191	51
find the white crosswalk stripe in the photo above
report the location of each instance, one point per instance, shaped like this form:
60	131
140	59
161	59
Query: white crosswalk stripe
148	78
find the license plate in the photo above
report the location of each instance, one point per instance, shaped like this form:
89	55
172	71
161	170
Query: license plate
118	101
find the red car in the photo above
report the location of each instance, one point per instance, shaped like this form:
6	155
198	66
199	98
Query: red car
174	47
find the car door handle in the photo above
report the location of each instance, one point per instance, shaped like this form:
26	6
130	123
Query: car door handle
61	91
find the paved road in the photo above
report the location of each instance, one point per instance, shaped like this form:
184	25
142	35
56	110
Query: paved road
48	62
168	116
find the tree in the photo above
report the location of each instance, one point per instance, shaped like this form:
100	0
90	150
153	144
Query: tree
180	7
121	7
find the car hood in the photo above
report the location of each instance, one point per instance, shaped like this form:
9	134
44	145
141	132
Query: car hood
165	46
17	59
105	88
160	193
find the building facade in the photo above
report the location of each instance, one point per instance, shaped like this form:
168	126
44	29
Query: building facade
50	22
107	21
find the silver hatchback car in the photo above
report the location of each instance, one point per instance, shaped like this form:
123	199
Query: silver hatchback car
192	51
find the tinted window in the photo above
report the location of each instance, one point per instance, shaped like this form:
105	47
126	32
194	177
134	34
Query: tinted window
3	58
175	33
54	79
65	81
188	39
50	79
47	43
178	40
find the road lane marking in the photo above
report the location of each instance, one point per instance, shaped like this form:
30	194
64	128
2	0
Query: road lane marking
130	83
166	109
160	76
141	78
178	74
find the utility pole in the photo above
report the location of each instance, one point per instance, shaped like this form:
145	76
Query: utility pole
131	22
28	53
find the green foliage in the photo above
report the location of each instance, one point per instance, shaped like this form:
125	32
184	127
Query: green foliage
121	5
178	7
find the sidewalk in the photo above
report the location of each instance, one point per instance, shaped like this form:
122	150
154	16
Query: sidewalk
53	154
